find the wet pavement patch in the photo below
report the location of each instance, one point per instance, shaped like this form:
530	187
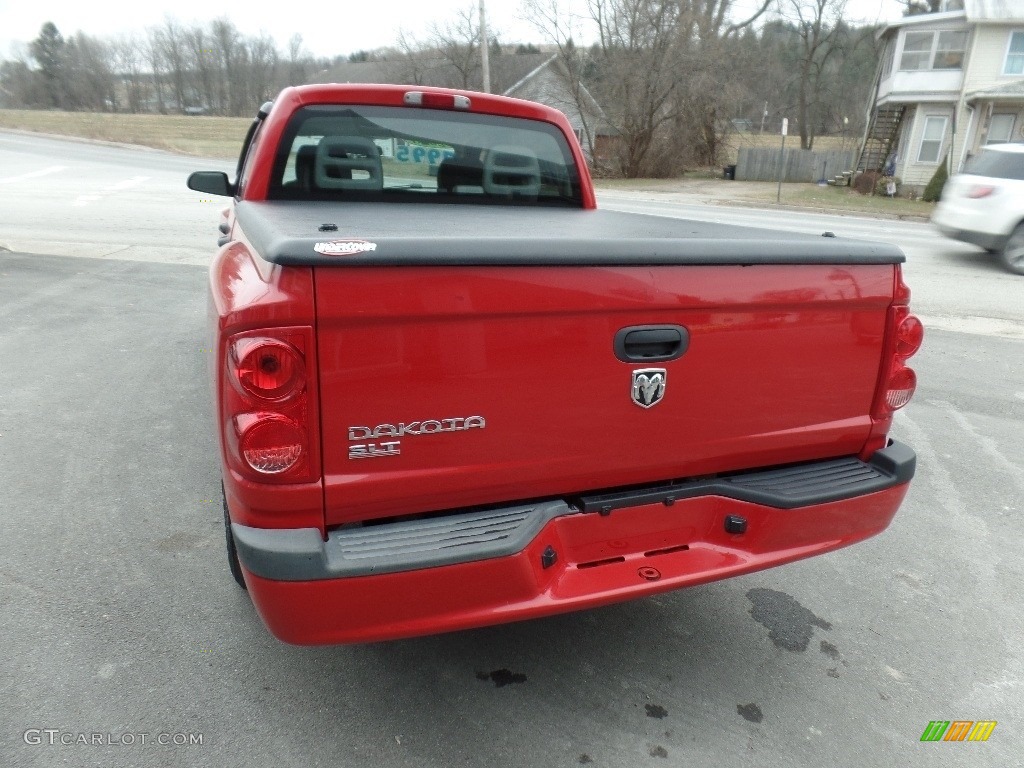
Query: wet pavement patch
789	624
656	710
829	650
502	677
659	751
750	712
585	758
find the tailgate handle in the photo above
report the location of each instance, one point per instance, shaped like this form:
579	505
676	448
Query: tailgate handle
651	343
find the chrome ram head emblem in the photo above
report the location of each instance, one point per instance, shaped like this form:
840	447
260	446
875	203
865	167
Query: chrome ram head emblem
649	386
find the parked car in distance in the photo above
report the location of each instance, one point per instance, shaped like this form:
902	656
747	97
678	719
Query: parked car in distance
984	205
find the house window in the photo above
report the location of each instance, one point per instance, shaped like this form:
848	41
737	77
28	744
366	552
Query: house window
917	50
931	140
1000	130
1015	55
949	50
933	50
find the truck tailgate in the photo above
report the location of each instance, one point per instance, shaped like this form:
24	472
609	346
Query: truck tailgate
452	386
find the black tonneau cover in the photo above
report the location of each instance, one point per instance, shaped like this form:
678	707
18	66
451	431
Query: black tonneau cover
301	233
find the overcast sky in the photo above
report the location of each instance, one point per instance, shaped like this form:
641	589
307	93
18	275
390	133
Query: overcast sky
346	27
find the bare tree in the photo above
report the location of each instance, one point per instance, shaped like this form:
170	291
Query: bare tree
709	43
818	24
263	61
129	64
88	83
298	61
561	28
659	71
157	63
638	74
175	66
204	62
457	44
20	85
408	61
174	51
230	50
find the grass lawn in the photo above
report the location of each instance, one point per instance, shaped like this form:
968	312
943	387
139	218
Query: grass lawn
218	137
843	198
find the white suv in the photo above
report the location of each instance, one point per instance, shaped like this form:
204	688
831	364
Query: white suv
984	205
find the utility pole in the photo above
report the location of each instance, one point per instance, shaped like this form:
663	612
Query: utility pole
485	64
782	158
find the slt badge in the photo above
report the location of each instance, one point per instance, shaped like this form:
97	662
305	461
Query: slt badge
649	386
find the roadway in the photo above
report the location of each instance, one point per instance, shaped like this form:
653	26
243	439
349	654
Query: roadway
120	619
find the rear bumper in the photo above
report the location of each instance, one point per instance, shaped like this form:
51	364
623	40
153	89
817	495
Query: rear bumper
468	570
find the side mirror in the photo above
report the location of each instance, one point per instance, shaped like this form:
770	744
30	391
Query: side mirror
212	183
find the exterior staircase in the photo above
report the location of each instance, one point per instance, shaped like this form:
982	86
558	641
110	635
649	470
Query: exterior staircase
881	135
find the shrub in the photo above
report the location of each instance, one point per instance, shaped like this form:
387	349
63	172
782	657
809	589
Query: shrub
882	185
933	191
865	182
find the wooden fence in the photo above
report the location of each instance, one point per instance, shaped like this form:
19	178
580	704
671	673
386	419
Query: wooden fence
762	164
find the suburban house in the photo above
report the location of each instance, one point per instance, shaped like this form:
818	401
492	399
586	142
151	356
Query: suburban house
540	77
948	83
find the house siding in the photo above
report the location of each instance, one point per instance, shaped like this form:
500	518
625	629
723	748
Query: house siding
896	82
985	67
985	70
548	87
981	135
910	170
945	94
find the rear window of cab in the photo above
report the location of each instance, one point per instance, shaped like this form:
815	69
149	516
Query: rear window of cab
409	154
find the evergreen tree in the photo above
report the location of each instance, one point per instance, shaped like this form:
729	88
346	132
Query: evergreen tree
933	191
48	52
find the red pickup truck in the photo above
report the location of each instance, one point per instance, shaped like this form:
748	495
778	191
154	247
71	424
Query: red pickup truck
450	392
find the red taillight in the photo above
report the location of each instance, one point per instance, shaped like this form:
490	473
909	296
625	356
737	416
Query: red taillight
980	190
905	336
268	368
270	443
896	383
269	407
909	333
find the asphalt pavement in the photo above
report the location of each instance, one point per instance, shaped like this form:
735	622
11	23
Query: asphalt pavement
123	630
94	199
